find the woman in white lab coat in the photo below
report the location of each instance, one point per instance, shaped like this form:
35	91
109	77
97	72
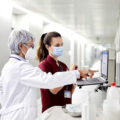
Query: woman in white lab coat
19	79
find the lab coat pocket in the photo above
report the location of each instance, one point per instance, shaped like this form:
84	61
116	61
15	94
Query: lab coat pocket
14	115
15	112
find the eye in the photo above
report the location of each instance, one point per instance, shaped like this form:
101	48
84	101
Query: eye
57	45
30	45
33	46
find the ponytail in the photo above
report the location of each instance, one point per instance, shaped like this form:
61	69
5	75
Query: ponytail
42	52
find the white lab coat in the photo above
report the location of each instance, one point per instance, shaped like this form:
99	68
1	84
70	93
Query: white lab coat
19	80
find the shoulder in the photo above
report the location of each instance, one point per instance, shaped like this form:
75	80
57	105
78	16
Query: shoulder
44	66
16	67
44	63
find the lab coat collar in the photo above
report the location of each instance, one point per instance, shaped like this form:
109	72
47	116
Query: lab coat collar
17	57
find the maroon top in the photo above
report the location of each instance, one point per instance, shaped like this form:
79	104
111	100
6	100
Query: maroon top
49	99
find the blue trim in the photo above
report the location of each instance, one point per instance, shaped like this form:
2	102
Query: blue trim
15	58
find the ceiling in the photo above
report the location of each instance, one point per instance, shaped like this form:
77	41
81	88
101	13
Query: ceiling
91	18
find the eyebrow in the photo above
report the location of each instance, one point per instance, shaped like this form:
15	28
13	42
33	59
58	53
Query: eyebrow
59	43
30	43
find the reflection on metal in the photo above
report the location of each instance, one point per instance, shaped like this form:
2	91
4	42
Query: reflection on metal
117	40
118	73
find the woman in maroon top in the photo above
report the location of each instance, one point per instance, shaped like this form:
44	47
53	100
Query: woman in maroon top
50	48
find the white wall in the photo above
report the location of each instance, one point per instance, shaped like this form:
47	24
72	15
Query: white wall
20	21
5	29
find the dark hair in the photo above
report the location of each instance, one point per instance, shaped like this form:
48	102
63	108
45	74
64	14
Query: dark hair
45	39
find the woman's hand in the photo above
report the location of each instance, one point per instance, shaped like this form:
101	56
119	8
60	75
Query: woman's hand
73	67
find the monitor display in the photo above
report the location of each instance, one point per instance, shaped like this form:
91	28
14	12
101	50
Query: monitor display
104	69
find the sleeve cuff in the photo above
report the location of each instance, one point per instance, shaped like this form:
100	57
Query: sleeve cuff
77	73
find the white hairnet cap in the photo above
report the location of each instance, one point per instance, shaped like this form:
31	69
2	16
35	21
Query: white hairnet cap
16	37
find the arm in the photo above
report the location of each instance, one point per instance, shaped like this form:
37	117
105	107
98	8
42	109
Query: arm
55	90
73	88
34	77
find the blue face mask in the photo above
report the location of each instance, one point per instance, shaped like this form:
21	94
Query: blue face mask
57	51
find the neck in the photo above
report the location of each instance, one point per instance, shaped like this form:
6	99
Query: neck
55	58
21	55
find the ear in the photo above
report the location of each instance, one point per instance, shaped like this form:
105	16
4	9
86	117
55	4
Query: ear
47	47
20	46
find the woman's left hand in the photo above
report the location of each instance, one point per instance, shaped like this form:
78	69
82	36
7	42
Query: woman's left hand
73	67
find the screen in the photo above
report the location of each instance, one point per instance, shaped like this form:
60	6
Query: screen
105	63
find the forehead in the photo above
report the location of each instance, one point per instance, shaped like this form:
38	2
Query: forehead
57	40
